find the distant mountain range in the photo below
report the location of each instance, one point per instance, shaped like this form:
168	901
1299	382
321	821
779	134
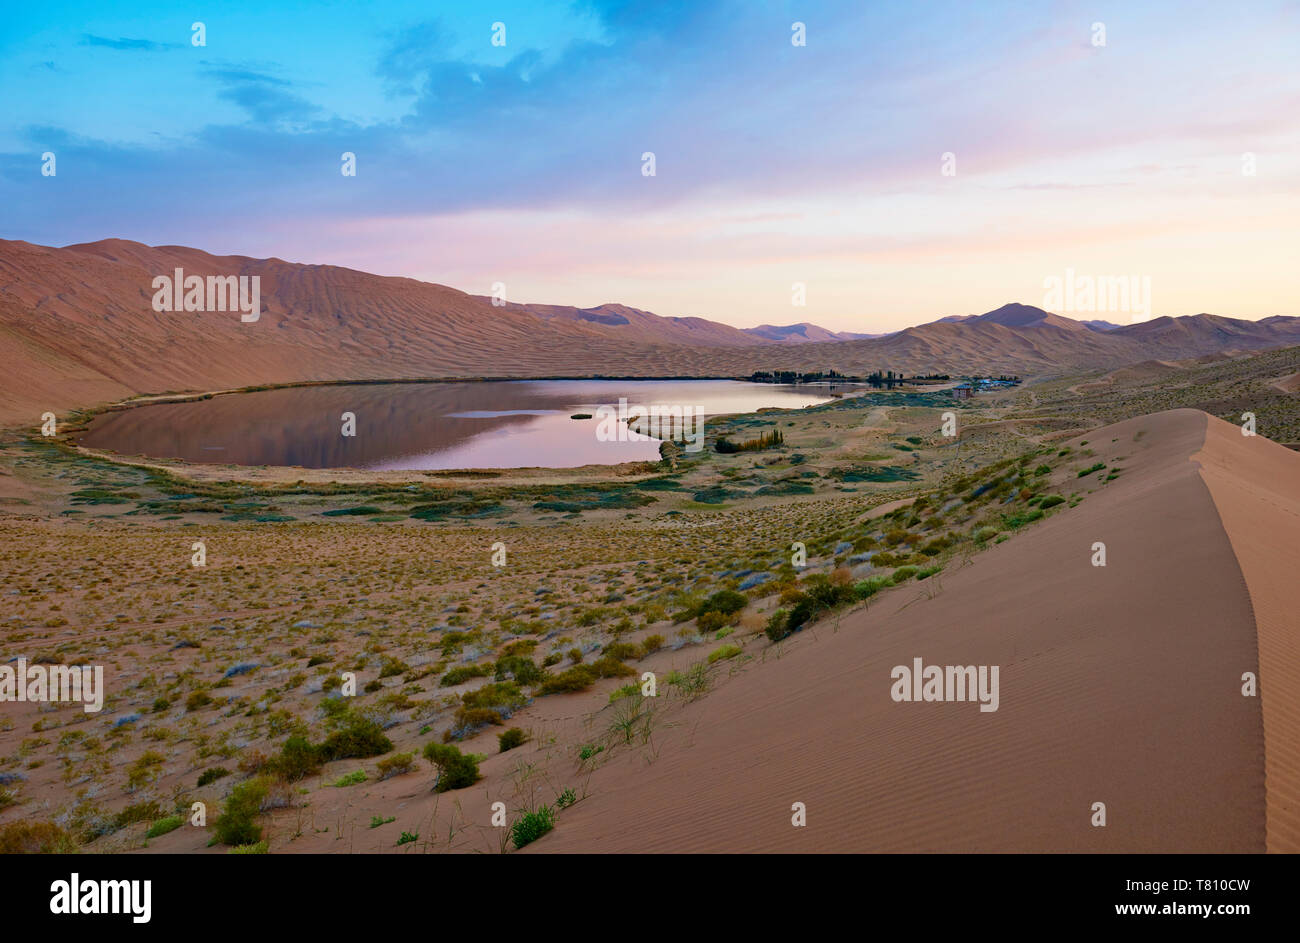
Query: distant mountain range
77	327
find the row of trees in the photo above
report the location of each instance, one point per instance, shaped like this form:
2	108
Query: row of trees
887	379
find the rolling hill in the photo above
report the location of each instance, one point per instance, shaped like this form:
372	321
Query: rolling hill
77	327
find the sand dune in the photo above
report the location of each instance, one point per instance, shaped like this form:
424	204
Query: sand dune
1119	685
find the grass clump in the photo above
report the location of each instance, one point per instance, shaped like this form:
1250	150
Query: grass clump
724	652
532	826
163	826
396	765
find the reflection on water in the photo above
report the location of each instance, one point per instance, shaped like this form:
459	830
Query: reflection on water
510	424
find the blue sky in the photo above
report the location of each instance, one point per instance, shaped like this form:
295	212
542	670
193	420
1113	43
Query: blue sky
774	163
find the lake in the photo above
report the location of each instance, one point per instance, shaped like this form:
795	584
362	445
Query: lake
426	426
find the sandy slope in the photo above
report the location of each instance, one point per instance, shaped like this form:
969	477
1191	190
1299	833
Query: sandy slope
1118	684
1255	484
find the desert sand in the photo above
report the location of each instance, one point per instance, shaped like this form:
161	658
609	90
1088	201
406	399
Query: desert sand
1119	685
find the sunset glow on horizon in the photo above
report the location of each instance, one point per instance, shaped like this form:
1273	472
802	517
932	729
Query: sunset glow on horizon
904	165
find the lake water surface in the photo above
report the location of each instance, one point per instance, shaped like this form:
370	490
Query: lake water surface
505	424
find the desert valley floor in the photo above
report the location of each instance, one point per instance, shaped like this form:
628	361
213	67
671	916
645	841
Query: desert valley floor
468	604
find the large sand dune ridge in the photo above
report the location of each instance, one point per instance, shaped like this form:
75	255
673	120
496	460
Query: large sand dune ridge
1119	684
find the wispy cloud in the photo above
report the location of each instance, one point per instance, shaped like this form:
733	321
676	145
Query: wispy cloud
127	45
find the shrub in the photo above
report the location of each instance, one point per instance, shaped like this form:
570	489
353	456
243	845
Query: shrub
577	678
777	623
520	668
867	588
257	848
499	694
298	759
463	673
163	826
510	739
354	778
566	799
197	700
212	775
34	838
532	826
928	572
607	667
1092	468
802	613
726	651
1051	501
359	739
456	770
651	644
396	765
984	533
1042	470
903	573
712	621
621	650
236	825
726	601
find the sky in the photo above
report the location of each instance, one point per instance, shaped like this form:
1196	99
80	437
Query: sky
907	161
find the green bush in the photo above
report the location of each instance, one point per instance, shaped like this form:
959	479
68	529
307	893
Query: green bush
865	589
212	775
621	650
777	625
163	826
359	739
607	667
396	765
510	739
236	825
532	826
298	759
726	601
463	673
1051	501
456	770
577	678
726	651
521	669
904	573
